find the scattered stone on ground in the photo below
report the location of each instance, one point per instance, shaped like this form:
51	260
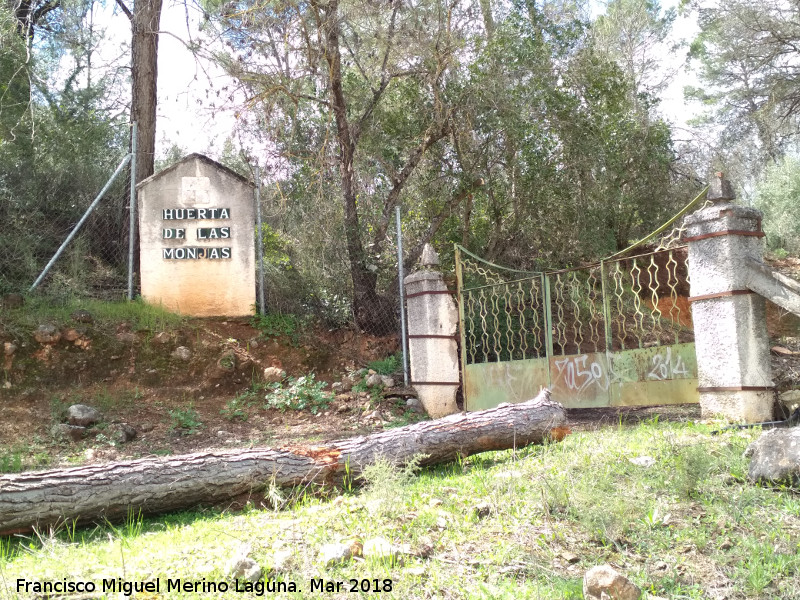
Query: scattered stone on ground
347	383
570	557
68	433
281	561
643	461
332	554
127	337
47	333
374	380
181	353
244	567
122	433
162	338
775	457
603	581
415	405
225	365
274	375
82	415
484	509
387	382
82	316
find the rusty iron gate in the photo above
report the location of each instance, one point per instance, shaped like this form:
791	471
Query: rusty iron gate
617	333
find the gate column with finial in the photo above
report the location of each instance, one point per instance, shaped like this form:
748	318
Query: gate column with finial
729	319
432	327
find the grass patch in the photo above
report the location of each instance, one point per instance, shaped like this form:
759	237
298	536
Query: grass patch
185	420
139	314
274	325
514	524
387	366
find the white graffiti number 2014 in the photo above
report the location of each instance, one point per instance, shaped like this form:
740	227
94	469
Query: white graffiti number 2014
665	368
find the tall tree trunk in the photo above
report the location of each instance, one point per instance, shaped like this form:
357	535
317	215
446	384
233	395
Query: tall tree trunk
145	23
372	313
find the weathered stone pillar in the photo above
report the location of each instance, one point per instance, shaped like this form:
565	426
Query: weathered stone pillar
432	326
729	319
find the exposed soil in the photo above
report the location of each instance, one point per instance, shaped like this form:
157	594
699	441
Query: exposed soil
178	405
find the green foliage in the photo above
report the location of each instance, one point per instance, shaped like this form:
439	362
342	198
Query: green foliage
387	366
186	420
301	393
275	325
235	409
11	461
778	197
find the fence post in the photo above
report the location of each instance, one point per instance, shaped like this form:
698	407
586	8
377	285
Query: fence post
260	242
730	331
401	277
132	218
432	326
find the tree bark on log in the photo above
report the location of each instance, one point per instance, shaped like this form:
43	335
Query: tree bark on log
156	485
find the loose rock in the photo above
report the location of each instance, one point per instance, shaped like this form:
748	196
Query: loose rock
70	433
9	348
161	338
604	582
127	337
484	509
123	433
775	457
374	380
274	375
331	554
244	567
82	415
181	353
281	561
387	382
82	316
47	334
415	405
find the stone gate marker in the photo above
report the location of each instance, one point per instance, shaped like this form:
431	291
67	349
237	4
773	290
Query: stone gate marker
197	239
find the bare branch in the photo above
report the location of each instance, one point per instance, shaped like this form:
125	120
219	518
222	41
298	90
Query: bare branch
125	9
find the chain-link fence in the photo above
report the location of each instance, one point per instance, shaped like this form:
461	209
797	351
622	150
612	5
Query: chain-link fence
39	211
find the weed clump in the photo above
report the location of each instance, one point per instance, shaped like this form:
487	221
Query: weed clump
301	393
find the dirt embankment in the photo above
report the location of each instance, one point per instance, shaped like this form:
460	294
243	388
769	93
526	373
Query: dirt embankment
196	386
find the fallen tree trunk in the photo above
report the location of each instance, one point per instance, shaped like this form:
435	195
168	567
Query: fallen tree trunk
155	485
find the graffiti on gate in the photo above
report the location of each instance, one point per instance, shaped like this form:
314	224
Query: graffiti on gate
666	367
579	374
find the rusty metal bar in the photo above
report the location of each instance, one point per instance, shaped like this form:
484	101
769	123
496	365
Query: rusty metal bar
738	388
429	293
714	234
720	295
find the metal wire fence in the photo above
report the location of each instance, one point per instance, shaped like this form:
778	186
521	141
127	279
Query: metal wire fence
38	213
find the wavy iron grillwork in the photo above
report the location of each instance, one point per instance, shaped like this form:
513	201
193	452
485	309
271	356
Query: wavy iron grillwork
632	302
